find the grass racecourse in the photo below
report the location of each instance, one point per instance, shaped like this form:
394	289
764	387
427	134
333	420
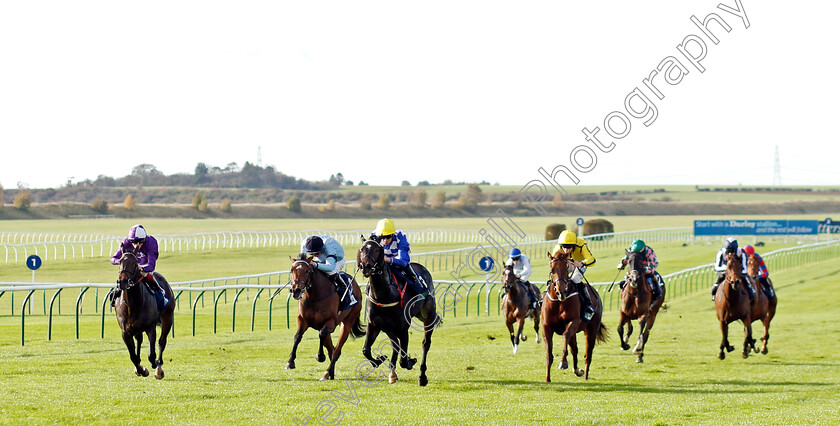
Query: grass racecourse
474	378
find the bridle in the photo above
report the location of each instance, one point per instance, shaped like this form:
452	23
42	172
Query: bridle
372	268
555	282
131	275
304	285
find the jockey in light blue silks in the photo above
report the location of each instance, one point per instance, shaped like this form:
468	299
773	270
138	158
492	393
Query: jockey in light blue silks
328	257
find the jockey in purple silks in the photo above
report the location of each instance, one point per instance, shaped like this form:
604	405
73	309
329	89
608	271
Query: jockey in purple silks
145	248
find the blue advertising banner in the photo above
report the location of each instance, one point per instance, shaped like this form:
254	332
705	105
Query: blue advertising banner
756	227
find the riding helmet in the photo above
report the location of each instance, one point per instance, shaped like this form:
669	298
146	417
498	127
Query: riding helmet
567	238
515	253
137	233
731	244
314	244
385	227
637	246
748	249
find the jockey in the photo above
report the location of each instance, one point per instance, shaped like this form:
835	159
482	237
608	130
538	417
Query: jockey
763	273
327	257
582	258
397	251
522	270
731	246
649	264
145	248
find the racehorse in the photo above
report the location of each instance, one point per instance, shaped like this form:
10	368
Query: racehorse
561	314
764	308
137	313
732	303
636	305
517	307
318	304
391	307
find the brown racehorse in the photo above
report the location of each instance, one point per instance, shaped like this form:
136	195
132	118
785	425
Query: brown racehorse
636	305
318	308
764	308
732	303
517	307
137	313
391	307
561	314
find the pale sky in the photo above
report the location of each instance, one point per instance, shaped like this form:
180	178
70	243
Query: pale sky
389	91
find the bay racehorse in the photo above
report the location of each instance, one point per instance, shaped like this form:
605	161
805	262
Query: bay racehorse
318	304
764	308
137	313
391	306
561	314
732	303
636	304
517	307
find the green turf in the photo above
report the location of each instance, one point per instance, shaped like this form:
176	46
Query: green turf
239	377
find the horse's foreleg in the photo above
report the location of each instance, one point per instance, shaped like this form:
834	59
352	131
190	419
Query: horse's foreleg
621	340
301	327
513	342
548	336
766	337
406	361
574	347
370	337
520	324
749	342
724	343
640	343
335	352
325	341
132	353
568	339
135	357
591	334
151	333
165	327
537	326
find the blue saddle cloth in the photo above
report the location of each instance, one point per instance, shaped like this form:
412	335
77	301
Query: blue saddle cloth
348	299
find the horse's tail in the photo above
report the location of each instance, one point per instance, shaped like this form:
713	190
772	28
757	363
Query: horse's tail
603	334
358	329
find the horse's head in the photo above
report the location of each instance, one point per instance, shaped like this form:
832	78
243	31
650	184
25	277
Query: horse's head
508	278
733	268
129	271
752	265
371	258
300	275
634	271
559	274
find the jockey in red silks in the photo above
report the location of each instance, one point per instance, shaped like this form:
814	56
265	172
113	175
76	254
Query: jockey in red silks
763	273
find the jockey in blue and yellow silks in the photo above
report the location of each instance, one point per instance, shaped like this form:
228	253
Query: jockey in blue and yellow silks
577	250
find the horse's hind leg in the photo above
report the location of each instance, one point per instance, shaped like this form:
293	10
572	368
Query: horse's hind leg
520	324
537	326
336	352
574	348
427	343
548	335
621	340
326	342
766	337
724	343
749	342
152	334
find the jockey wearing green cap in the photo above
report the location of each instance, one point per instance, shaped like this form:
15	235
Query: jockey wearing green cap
649	264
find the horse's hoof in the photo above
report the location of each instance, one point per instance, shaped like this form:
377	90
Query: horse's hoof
730	348
515	349
624	346
756	350
764	351
538	340
637	350
392	379
640	360
159	373
524	338
144	372
411	362
320	358
548	380
721	355
326	376
579	373
290	365
564	365
746	354
424	381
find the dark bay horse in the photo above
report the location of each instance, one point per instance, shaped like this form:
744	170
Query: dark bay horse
318	308
137	313
764	308
561	314
517	307
391	307
732	303
636	305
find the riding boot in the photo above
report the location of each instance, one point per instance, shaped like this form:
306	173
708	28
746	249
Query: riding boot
655	291
531	295
340	285
415	282
160	294
720	278
768	289
588	309
114	294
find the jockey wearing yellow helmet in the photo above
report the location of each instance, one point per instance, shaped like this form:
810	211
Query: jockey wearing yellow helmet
397	252
577	250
